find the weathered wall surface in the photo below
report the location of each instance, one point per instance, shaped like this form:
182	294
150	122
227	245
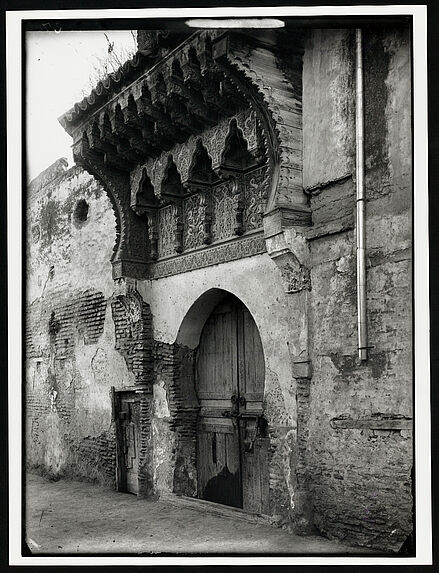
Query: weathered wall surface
70	336
359	415
328	103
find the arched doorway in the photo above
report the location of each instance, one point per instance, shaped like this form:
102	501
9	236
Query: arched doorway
232	442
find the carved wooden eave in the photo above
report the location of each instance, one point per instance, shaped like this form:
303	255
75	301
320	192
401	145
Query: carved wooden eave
141	131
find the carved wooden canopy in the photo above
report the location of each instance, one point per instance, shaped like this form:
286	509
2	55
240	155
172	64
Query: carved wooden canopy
195	149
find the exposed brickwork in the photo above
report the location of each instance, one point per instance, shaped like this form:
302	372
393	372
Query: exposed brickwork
133	330
69	430
66	322
134	336
184	407
92	458
54	328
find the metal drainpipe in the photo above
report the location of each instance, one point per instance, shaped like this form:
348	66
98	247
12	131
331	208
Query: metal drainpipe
361	200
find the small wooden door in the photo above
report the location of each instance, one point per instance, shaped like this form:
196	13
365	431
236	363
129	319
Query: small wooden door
128	439
232	446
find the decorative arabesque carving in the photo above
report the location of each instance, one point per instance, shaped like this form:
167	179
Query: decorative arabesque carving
223	223
194	221
166	227
278	101
247	246
172	191
255	198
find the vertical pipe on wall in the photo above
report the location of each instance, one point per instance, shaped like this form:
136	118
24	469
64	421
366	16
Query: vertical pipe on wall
361	200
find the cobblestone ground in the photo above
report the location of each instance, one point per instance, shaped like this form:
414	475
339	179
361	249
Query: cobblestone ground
69	517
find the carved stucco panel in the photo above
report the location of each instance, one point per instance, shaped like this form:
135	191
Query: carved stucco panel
223	211
193	222
166	226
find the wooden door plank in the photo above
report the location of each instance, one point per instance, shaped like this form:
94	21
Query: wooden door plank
232	452
132	432
240	350
120	472
254	363
264	446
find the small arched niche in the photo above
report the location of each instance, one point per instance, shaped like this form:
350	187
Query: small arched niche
145	196
236	156
171	187
201	171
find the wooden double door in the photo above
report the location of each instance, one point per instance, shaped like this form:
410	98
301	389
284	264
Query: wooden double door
232	442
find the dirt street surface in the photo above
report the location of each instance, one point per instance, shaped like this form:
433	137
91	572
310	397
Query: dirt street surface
69	517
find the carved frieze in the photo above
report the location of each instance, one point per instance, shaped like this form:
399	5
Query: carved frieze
246	246
208	214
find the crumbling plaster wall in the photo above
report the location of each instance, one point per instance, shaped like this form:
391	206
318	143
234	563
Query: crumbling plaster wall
359	477
71	361
256	281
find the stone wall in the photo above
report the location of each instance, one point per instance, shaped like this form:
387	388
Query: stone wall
71	360
359	449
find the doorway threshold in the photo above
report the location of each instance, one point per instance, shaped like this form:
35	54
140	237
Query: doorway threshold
217	509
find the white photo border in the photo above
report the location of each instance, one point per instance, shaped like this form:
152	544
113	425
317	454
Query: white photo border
15	215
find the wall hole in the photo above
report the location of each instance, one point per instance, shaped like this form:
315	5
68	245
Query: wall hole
80	213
